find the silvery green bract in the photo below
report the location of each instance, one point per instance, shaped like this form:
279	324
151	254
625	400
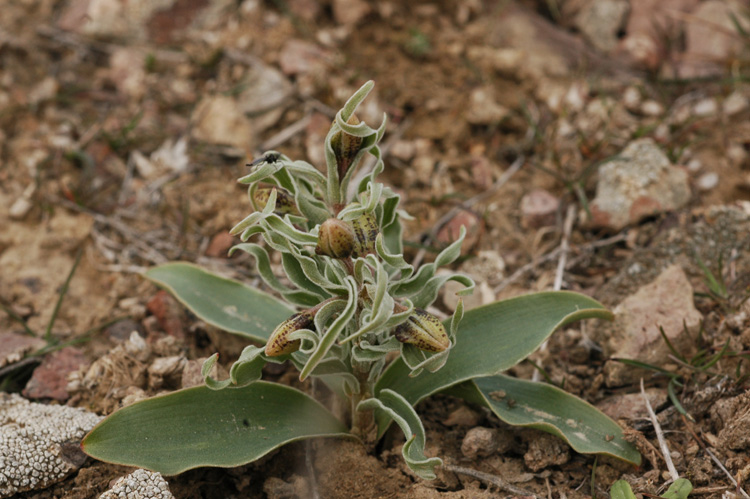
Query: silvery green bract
349	303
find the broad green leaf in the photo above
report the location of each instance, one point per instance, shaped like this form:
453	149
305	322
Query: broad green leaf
224	303
545	407
403	413
202	427
621	490
493	338
680	489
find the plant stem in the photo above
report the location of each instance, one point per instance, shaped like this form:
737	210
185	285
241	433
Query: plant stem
363	422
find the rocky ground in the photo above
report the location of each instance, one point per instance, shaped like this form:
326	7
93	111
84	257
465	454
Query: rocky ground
598	146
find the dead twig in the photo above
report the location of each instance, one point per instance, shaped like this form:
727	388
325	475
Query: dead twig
659	436
489	479
570	217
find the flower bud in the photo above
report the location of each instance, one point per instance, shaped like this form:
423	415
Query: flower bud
346	147
279	342
285	204
424	331
365	231
335	239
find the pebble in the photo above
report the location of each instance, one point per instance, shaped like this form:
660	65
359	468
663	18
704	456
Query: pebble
708	181
735	103
538	209
479	442
705	108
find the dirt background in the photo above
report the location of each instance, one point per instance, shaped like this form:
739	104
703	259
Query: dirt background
124	125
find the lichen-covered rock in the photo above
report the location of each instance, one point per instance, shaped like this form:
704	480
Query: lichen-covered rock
639	183
39	443
140	484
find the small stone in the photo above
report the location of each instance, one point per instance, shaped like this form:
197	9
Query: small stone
545	450
708	181
631	405
300	57
631	99
451	230
120	331
20	208
538	209
484	108
49	380
219	245
641	183
166	372
14	346
403	150
735	103
350	12
705	108
218	120
694	165
140	484
479	442
652	108
711	39
666	303
169	312
463	416
601	20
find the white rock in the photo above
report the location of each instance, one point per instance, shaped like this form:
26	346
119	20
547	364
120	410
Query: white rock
705	107
735	103
652	108
140	484
631	99
708	181
600	21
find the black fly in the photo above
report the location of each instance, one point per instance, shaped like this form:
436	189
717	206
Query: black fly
271	157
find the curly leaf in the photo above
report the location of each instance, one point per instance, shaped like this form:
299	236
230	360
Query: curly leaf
221	302
397	407
202	427
493	338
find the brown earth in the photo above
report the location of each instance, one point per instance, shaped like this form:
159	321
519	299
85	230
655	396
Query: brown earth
469	87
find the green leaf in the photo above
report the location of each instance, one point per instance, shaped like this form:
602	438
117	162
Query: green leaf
680	489
398	408
493	338
545	407
201	427
221	302
621	490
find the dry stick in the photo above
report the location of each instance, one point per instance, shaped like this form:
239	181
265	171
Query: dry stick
489	479
570	217
713	457
507	174
552	255
659	436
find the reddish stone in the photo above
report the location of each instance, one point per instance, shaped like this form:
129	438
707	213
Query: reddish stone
538	209
50	379
219	245
451	230
14	346
168	312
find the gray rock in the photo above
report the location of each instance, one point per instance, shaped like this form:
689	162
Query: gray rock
140	484
600	21
640	183
666	303
38	443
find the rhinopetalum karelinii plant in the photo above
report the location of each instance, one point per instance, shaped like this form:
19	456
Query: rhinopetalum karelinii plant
351	302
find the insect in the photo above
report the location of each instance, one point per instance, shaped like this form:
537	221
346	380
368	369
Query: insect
270	157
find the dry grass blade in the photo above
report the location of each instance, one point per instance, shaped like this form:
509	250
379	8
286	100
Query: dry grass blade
659	436
490	480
